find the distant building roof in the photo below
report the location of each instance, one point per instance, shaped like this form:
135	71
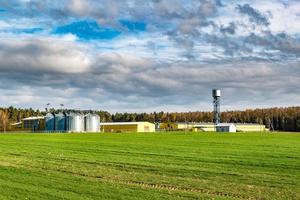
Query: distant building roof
190	123
17	123
122	123
33	118
225	124
249	124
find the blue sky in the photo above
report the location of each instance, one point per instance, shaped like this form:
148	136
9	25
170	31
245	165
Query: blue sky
154	55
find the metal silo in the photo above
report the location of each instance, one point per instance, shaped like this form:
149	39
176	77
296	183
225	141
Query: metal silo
75	122
60	122
92	123
50	122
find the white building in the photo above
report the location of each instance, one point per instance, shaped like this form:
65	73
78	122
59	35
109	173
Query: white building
223	127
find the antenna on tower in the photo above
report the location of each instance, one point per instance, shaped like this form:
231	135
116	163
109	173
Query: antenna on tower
47	107
216	93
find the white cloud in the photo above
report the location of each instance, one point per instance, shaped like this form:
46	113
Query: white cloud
45	54
172	65
282	18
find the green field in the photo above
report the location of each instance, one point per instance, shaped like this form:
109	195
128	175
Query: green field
150	166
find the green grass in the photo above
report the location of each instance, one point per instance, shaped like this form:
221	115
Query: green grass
150	166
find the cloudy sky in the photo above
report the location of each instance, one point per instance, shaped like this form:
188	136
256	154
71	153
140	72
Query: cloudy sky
137	55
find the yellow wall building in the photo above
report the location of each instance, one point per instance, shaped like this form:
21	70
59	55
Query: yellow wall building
127	127
239	127
176	126
210	127
250	128
187	126
204	127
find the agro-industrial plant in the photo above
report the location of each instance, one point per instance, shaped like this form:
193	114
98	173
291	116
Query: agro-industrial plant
83	121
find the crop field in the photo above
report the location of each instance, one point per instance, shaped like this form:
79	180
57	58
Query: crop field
150	166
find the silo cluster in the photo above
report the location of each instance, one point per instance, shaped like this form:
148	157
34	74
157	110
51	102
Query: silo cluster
72	122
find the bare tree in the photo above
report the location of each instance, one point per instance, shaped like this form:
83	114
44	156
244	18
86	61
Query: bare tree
4	120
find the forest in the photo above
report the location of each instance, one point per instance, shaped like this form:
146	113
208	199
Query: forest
281	119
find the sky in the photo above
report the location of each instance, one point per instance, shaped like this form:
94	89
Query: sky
145	56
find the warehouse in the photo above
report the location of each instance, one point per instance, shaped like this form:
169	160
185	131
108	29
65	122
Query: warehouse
29	124
210	127
176	126
251	128
204	127
195	127
34	123
123	127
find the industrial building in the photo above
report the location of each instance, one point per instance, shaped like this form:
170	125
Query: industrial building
60	122
175	126
210	127
216	125
29	124
33	123
123	127
195	127
72	122
204	127
250	128
225	127
64	121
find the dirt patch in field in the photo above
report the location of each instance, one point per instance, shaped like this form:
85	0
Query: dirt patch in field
7	164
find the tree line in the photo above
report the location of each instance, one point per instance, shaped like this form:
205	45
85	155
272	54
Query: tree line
282	119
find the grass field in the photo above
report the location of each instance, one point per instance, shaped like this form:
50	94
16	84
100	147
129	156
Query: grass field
150	166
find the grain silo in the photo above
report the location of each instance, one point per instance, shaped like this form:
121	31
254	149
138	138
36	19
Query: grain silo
92	123
74	122
50	122
60	122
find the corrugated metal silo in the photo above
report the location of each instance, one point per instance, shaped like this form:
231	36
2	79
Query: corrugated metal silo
75	122
50	122
92	123
60	122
